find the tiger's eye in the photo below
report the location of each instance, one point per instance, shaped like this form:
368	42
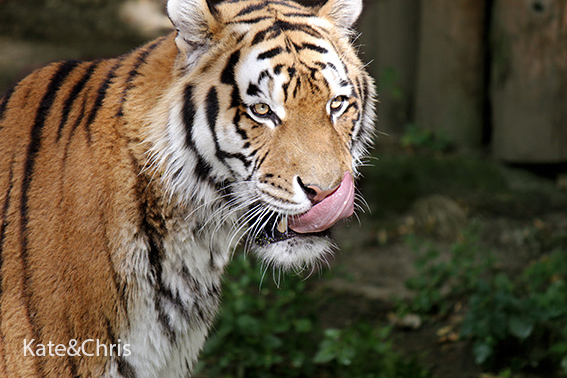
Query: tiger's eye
261	109
336	103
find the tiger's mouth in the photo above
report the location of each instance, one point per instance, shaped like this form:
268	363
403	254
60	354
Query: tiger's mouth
315	222
277	230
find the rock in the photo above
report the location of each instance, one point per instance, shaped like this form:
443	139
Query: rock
440	216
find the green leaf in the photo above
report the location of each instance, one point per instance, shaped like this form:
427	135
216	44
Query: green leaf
520	327
324	354
564	364
303	325
248	323
482	353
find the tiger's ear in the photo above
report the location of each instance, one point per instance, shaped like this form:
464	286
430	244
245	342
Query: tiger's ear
343	13
195	21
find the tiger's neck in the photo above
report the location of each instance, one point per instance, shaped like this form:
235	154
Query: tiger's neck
175	297
179	252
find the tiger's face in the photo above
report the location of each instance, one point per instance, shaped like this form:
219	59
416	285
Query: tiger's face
284	125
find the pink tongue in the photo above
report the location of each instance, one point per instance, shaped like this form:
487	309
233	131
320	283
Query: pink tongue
338	205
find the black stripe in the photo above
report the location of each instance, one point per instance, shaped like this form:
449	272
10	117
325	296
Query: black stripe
116	281
80	118
5	207
251	8
4	101
363	95
239	130
134	73
297	86
227	75
124	368
282	26
310	46
298	14
259	163
37	129
212	107
154	229
260	36
270	53
202	168
45	105
291	71
333	67
253	90
235	99
263	75
100	98
155	259
188	115
285	3
285	87
4	224
212	8
73	95
250	20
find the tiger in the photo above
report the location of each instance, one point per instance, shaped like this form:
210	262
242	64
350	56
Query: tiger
126	184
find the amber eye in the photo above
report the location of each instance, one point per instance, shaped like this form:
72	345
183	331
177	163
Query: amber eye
336	103
261	109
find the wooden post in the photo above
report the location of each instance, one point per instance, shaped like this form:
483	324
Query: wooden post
450	84
389	40
529	80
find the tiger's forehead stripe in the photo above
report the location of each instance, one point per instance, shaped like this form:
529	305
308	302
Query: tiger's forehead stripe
279	27
266	5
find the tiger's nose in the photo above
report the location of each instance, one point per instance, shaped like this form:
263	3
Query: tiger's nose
315	193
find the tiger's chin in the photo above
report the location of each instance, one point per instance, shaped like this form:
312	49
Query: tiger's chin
302	241
290	250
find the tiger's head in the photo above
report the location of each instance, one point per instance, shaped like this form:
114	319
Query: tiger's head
273	112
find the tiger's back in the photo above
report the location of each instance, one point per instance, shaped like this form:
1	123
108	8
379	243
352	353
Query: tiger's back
61	208
126	182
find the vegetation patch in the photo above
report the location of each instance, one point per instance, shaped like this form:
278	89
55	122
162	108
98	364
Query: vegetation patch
515	324
269	329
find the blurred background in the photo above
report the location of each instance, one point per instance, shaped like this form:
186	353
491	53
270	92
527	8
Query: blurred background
457	264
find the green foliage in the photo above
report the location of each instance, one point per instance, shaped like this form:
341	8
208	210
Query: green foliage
441	281
265	331
514	323
416	137
522	322
362	351
260	331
